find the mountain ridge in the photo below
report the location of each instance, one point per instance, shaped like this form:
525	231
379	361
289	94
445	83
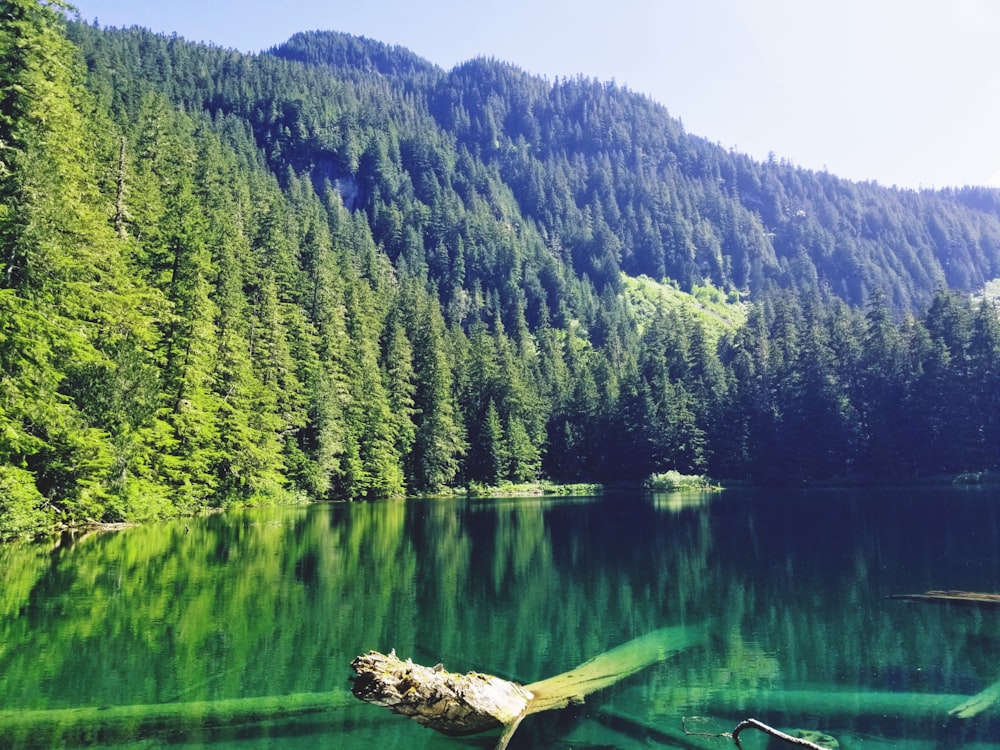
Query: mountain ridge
851	234
340	50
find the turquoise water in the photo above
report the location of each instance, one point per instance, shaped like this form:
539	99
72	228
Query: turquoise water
787	594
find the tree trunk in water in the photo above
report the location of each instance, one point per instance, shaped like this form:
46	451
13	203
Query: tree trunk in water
451	703
112	725
972	598
457	704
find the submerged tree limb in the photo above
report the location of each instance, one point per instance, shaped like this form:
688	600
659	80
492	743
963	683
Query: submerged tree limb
784	737
613	666
974	598
457	704
107	725
977	703
451	703
760	726
118	724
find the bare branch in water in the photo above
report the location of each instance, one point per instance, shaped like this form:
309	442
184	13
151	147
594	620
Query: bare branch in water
760	726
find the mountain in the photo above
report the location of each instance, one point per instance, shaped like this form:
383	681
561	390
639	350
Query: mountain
334	270
673	205
346	52
607	173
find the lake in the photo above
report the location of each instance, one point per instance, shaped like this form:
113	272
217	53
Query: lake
252	617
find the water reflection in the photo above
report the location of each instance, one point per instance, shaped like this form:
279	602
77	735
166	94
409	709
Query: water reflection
677	502
791	589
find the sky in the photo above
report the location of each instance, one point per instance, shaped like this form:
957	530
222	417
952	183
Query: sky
902	92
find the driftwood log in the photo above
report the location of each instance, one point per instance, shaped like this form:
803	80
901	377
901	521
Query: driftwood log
792	739
454	704
974	598
457	704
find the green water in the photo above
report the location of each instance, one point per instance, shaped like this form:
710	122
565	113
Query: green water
786	593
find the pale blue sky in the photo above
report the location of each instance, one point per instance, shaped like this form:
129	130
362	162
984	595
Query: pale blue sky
906	92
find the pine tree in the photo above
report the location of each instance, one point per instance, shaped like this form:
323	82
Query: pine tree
439	443
75	319
250	417
399	377
984	377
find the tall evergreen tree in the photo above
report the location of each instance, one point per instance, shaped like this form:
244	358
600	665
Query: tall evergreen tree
439	444
75	319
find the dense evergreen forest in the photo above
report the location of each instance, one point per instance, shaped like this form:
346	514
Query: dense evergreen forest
336	271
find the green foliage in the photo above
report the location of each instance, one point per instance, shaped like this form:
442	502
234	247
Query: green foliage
22	507
673	480
532	489
716	311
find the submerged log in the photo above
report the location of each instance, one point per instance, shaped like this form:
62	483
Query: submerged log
108	725
464	704
977	703
454	704
457	704
953	597
174	722
613	666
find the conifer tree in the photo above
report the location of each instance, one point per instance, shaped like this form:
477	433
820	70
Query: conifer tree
74	318
250	416
439	443
399	377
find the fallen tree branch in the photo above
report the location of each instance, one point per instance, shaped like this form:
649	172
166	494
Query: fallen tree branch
760	726
974	598
977	703
453	704
613	666
458	704
112	725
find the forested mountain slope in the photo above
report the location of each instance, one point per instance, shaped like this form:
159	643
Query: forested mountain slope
606	174
617	179
335	271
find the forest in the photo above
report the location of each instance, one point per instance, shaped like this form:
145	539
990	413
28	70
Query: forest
334	271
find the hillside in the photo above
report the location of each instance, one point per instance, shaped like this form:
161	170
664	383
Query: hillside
664	203
335	271
607	174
